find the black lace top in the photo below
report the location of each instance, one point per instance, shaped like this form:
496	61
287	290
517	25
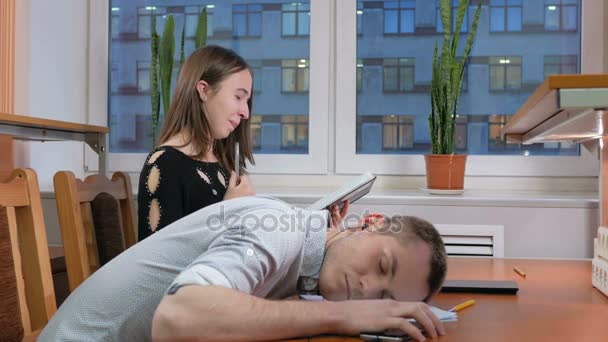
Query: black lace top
173	185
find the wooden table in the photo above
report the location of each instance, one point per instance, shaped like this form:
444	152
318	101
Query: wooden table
21	127
555	302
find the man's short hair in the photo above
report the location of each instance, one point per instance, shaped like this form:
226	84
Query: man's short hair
410	228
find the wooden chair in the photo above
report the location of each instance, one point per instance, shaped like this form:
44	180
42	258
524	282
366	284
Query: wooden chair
97	221
27	299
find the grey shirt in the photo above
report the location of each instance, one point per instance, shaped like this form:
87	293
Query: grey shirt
259	246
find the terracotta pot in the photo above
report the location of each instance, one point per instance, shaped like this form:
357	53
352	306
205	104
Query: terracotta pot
445	171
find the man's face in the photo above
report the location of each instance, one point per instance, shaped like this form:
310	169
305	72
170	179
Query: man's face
366	265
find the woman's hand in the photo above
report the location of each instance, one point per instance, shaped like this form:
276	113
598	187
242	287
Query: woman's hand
244	188
337	215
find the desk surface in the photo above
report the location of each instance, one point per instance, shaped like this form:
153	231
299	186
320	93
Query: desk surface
555	303
28	121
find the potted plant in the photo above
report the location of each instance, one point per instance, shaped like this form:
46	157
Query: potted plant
444	169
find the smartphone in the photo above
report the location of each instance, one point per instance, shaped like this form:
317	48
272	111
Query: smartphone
383	338
480	286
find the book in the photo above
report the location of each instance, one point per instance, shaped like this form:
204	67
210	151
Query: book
350	191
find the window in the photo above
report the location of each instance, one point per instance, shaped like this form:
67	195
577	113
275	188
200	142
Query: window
143	77
115	24
359	75
144	20
294	75
359	17
280	84
439	23
247	20
560	65
295	19
506	15
192	14
561	15
399	16
505	73
398	75
397	132
294	133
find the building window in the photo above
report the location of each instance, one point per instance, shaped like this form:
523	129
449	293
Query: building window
561	15
439	23
295	19
114	78
397	132
399	16
506	15
505	73
560	65
144	20
294	132
143	77
256	132
398	74
359	17
359	75
192	14
247	20
115	22
256	68
294	75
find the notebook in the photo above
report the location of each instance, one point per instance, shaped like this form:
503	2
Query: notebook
350	191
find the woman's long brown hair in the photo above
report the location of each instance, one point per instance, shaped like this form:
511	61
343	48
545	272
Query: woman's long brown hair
211	64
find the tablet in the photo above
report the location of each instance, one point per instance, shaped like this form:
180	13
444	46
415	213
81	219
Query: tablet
350	191
480	286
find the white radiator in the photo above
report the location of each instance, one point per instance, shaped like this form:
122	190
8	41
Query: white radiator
473	240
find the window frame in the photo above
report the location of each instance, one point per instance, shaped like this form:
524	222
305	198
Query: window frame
247	12
399	9
505	9
560	8
321	51
349	162
297	13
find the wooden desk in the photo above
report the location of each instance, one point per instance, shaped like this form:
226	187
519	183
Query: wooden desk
35	129
555	303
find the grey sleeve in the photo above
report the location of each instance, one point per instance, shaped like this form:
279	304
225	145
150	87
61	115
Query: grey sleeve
238	260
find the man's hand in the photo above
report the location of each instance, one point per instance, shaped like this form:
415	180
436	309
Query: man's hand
381	315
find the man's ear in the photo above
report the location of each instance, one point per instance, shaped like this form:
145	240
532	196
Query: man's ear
203	89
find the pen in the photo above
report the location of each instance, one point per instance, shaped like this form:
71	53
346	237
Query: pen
463	305
518	271
237	161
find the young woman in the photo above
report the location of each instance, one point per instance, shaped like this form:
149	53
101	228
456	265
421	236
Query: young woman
193	165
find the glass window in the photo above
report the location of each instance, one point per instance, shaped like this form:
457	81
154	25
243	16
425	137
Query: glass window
397	132
398	74
506	15
503	75
295	19
280	85
560	65
294	74
439	23
247	20
561	15
359	17
115	22
399	16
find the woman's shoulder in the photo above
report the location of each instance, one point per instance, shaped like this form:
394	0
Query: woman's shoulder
166	155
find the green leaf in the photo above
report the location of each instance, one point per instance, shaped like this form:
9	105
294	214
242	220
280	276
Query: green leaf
201	30
166	53
154	70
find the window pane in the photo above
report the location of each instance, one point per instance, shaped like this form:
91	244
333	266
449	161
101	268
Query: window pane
280	86
569	18
390	21
407	21
303	23
239	24
439	23
407	79
551	18
255	24
514	19
497	78
390	79
513	77
497	20
289	24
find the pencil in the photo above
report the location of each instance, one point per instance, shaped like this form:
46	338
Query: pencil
518	271
463	305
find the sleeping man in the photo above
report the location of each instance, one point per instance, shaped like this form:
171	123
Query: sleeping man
217	275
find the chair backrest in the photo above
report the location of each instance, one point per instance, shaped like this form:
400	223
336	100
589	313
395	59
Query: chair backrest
97	221
25	268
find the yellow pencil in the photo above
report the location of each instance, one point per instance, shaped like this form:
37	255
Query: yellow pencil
518	271
463	305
